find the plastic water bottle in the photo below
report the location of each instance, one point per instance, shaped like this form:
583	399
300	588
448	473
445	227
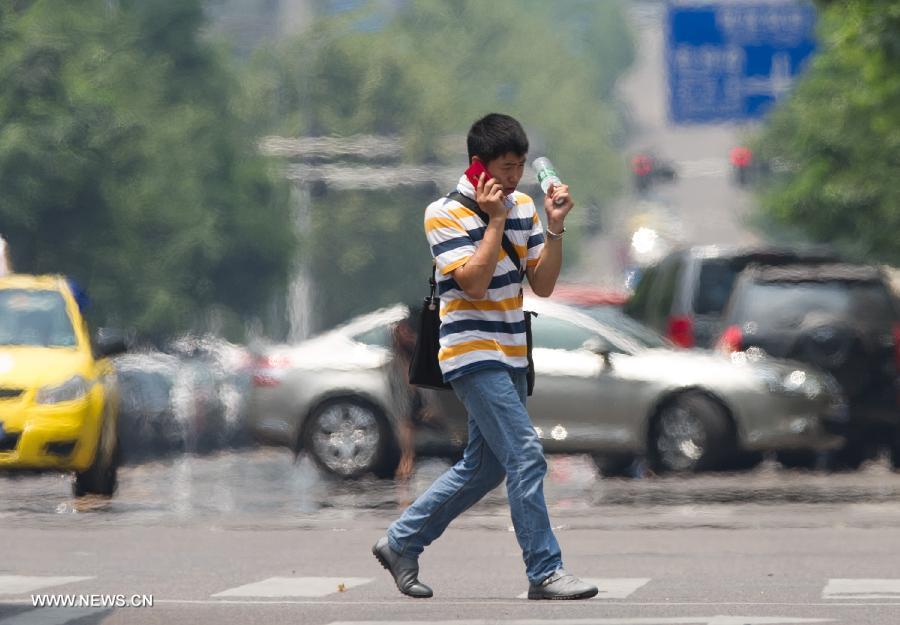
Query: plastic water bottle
547	176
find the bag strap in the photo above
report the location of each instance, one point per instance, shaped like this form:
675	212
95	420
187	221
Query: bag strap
432	284
508	246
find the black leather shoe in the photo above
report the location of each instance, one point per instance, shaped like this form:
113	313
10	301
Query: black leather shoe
562	585
405	570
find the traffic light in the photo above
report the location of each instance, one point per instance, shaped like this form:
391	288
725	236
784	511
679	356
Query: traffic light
741	158
642	168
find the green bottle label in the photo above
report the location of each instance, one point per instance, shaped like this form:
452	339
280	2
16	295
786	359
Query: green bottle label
544	174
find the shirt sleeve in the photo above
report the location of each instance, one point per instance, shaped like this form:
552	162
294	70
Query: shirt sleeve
451	244
535	240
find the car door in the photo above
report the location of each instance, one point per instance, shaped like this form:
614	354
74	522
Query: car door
662	297
579	403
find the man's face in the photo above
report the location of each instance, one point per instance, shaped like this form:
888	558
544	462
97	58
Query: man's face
508	170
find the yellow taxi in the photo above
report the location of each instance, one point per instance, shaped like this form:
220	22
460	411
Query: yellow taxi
58	397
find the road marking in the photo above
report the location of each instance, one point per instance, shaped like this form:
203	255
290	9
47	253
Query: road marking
688	620
295	587
52	616
612	587
22	584
862	589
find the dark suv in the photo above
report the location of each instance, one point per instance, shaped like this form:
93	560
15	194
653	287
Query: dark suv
683	295
842	318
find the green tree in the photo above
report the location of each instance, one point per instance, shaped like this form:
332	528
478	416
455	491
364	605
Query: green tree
427	73
836	141
125	166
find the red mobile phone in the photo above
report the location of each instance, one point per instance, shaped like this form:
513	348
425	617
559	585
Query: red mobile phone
475	170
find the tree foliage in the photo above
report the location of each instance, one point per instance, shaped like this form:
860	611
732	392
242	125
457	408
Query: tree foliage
837	139
428	73
124	165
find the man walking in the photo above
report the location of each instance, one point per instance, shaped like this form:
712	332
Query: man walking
484	357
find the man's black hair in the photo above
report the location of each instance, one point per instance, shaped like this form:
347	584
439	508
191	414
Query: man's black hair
494	135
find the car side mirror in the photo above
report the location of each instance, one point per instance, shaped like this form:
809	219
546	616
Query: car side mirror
598	345
109	342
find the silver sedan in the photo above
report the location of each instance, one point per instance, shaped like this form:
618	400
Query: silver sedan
337	397
606	385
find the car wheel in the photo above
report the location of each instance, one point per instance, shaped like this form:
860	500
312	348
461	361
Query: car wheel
101	478
690	433
349	437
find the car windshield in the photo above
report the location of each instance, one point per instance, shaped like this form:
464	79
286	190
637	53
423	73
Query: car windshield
570	327
35	318
370	328
789	303
613	317
379	336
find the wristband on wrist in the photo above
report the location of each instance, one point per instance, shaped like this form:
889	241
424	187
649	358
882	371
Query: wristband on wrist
555	236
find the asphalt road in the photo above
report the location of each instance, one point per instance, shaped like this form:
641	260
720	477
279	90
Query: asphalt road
327	575
253	537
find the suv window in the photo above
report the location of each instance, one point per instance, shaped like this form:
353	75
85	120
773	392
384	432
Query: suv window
787	304
716	282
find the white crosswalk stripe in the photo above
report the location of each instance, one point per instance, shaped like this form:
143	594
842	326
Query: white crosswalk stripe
295	587
612	587
23	584
862	589
51	616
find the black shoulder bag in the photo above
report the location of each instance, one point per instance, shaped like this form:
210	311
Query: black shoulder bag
424	369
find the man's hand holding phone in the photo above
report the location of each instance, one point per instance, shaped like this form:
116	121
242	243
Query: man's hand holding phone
475	276
489	195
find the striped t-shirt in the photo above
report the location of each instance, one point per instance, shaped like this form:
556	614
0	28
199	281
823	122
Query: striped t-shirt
479	333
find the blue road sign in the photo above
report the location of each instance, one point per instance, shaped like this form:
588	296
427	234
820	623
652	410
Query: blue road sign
731	60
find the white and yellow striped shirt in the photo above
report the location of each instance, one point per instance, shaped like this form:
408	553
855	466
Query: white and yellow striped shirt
486	332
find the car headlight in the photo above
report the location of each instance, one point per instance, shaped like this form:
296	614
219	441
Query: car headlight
74	388
797	382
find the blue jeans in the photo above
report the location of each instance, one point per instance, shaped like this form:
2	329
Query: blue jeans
502	443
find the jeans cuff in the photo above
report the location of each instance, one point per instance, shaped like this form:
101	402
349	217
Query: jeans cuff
396	548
